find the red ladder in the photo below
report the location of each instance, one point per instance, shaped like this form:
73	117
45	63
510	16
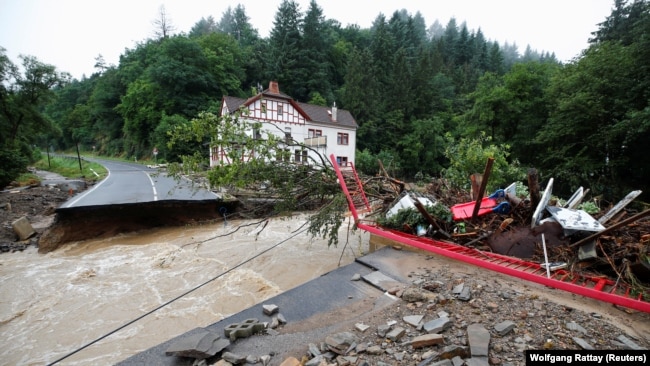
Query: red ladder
594	287
352	187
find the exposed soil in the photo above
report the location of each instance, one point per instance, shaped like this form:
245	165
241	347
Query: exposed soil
37	204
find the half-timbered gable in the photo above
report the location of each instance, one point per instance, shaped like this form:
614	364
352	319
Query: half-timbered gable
328	130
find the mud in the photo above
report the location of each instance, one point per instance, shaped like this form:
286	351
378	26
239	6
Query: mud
82	223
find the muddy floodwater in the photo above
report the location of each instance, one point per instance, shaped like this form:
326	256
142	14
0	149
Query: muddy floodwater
53	304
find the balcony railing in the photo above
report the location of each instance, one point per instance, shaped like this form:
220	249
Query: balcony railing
316	141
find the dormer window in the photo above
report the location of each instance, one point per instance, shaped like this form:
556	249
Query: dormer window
280	110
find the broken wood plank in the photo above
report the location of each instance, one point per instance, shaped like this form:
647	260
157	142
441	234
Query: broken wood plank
430	220
627	221
619	206
481	192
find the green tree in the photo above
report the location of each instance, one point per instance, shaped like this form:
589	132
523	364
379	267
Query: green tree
315	47
422	148
22	123
23	94
284	42
203	27
359	96
470	155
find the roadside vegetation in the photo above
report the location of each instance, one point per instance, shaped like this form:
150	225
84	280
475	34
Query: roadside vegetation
69	168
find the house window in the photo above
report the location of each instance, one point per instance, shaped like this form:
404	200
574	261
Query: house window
314	133
300	156
263	107
342	138
342	160
280	110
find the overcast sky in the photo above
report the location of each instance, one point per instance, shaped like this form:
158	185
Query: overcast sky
69	34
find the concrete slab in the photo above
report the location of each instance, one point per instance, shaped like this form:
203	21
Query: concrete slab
23	228
380	280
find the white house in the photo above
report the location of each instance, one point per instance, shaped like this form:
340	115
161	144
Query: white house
324	129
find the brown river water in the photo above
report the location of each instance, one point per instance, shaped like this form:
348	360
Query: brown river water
53	304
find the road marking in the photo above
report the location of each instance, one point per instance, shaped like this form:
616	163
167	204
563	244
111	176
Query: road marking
153	185
70	204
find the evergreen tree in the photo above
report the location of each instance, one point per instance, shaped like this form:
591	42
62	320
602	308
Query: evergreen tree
203	27
315	50
284	42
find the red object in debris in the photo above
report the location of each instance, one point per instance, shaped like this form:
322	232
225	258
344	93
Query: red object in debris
577	283
464	211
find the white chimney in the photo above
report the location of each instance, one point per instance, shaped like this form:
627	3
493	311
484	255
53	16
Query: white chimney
334	109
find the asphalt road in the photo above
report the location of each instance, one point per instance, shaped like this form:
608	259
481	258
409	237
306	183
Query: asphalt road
134	183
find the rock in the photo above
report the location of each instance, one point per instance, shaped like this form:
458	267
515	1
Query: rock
628	344
504	327
361	327
583	344
23	228
465	294
437	325
413	320
575	326
383	329
314	361
313	350
457	361
394	290
265	360
252	359
396	334
270	309
426	340
452	351
479	340
458	289
477	361
413	294
275	322
282	319
374	350
233	358
202	344
340	343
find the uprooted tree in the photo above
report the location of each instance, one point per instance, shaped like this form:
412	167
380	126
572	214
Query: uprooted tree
286	186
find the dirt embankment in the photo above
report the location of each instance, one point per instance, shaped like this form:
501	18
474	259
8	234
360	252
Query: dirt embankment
38	204
55	226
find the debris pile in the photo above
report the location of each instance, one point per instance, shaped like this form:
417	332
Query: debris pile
524	222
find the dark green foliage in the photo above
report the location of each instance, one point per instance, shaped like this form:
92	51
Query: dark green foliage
24	91
14	163
413	218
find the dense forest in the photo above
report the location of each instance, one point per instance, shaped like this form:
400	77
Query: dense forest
418	92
